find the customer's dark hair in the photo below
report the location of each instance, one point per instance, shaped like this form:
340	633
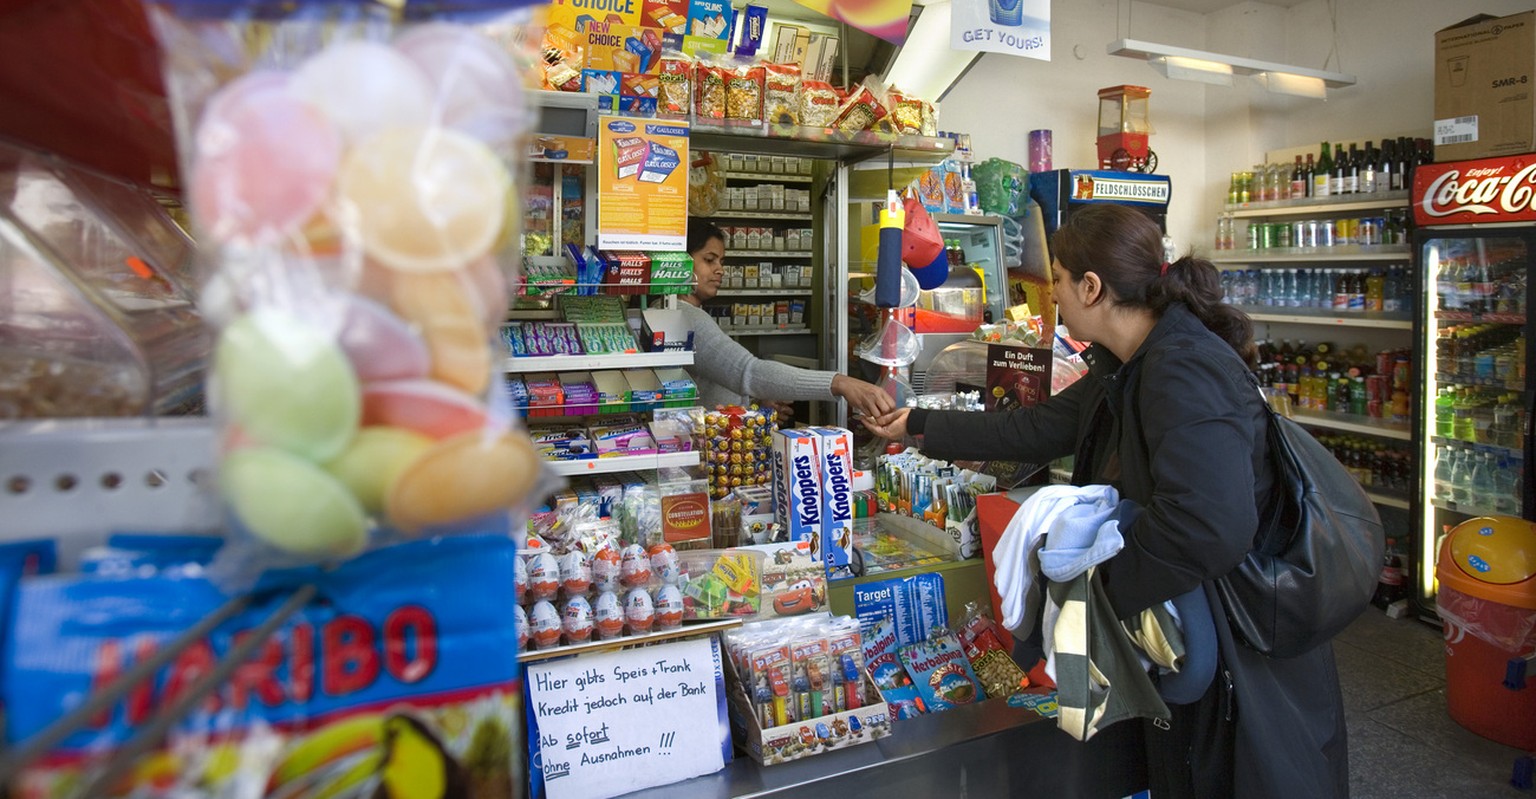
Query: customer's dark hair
1124	247
700	232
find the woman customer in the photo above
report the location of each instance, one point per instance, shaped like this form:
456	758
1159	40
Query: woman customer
1169	414
727	374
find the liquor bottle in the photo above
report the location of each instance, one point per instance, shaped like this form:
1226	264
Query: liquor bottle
1308	175
1352	171
1368	183
1391	179
1390	587
1298	180
1322	174
1405	156
1340	166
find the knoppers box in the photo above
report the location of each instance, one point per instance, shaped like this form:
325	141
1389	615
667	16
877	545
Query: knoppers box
797	486
835	448
1485	72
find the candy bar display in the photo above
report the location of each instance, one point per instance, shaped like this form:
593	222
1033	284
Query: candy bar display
738	444
351	197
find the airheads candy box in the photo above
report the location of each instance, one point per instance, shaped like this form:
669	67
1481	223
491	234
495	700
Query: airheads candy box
797	485
408	668
836	459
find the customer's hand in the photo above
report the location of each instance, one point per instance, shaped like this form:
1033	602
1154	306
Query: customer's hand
892	426
866	398
784	411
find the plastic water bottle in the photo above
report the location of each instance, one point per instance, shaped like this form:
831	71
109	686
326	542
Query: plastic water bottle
1483	496
1461	477
1301	296
1443	472
1506	489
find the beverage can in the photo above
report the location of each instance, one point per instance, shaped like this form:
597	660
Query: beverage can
1266	235
1376	389
1400	375
1283	235
1370	232
1301	235
1384	361
1323	235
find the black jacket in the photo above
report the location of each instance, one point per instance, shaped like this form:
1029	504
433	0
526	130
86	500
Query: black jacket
1180	429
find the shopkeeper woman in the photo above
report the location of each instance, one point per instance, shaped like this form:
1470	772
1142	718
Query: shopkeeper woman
1170	416
727	374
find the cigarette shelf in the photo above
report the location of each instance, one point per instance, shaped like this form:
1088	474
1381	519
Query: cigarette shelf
623	463
584	363
1349	423
770	176
769	254
770	292
762	216
769	331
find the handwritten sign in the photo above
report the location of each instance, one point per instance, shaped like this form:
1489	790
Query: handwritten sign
608	724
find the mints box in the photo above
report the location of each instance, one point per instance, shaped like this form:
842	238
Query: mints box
836	450
797	485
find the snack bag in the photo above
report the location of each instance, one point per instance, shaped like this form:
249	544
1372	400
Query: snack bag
782	89
350	178
676	88
709	91
744	94
819	104
942	674
860	112
986	645
412	655
906	113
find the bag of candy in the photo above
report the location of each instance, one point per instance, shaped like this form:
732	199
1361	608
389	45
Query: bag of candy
350	170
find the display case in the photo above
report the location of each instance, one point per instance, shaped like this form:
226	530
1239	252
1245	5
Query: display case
97	316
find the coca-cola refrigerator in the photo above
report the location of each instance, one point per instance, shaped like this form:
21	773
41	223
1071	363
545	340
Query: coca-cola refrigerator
1475	240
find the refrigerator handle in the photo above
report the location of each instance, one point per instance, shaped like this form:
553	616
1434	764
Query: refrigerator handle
1528	475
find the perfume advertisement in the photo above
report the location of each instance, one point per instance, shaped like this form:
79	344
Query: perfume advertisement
1012	27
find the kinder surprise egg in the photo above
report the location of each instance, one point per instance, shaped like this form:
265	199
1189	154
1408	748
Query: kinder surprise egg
440	306
379	345
577	620
608	616
478	88
520	622
426	200
423	406
638	611
606	568
285	383
635	567
374	460
470	475
669	607
263	162
292	504
575	574
365	87
543	576
520	578
664	563
544	624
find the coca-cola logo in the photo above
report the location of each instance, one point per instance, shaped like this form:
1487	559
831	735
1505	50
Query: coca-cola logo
1481	191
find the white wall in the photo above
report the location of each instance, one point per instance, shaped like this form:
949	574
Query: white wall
1203	133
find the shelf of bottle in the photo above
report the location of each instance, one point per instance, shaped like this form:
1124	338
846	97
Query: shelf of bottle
1501	451
1387	500
1350	423
769	254
770	176
1381	200
623	463
1467	509
757	216
1377	319
1477	382
1342	252
767	331
587	363
785	292
1490	318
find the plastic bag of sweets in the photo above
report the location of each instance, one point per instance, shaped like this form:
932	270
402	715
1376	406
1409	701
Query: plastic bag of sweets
350	176
406	676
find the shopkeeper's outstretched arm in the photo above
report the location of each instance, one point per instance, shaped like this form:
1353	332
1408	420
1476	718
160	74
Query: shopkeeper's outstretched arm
1044	432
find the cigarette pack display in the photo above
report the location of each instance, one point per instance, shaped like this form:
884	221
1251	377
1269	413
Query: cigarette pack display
710	19
628	156
639	85
600	81
626	105
660	162
669	15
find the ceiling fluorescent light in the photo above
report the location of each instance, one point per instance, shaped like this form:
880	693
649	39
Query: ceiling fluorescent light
1151	51
1298	85
925	66
1196	69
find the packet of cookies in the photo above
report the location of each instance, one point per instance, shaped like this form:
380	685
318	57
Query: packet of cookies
781	88
744	93
819	104
675	87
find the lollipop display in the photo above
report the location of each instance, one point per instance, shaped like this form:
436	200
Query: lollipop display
354	204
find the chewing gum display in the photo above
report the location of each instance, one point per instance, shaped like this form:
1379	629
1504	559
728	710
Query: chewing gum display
942	674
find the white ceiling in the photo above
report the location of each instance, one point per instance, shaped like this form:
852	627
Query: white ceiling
1207	6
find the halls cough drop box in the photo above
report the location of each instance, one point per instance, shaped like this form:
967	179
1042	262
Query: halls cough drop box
1485	76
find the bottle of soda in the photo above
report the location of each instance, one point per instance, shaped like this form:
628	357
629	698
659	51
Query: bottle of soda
1390	587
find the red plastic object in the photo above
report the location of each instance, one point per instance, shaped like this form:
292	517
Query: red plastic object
920	239
925	321
993	512
82	79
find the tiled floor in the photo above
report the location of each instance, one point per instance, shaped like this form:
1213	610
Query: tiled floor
1402	743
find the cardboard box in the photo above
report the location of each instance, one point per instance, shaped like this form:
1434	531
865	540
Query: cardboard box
836	450
1485	72
820	56
797	485
803	739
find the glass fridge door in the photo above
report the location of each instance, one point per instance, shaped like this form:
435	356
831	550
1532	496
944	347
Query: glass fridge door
1476	390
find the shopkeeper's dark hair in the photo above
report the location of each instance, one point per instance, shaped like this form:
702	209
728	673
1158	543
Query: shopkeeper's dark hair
1124	247
700	232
